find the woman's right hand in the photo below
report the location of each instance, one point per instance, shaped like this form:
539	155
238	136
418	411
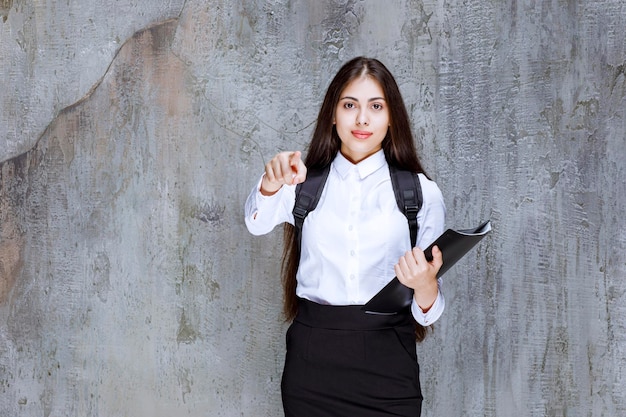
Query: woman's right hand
284	168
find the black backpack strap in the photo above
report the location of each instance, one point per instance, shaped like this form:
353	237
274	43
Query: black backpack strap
308	194
408	192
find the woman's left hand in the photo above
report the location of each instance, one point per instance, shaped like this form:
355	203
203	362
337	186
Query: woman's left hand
414	271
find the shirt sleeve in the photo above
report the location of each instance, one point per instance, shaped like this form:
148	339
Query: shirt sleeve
433	314
263	213
431	219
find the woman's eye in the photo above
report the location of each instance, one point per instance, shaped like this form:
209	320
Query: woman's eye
377	106
349	105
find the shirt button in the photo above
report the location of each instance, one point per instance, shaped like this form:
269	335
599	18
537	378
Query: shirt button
352	253
350	227
352	277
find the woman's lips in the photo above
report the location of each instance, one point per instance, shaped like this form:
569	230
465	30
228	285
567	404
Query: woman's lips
361	134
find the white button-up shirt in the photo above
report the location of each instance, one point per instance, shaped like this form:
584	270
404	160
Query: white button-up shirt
356	234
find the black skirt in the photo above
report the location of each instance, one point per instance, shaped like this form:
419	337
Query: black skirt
343	362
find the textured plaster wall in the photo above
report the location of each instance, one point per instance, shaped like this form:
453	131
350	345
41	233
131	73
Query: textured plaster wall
133	130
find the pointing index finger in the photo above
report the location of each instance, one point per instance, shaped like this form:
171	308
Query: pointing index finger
294	160
298	169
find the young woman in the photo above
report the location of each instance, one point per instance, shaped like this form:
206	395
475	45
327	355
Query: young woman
341	361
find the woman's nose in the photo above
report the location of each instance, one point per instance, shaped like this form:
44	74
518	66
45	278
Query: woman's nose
361	118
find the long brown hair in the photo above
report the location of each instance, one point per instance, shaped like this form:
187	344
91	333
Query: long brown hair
398	146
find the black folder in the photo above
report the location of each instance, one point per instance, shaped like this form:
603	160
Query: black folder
453	244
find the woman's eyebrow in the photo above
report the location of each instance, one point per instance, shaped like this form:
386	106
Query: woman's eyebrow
354	99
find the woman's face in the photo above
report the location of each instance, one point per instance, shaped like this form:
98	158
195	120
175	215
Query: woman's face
361	119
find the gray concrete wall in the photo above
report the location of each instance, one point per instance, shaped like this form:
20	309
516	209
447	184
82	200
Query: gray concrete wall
133	130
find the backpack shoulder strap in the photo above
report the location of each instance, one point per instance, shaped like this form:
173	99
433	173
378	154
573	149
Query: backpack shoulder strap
408	192
307	195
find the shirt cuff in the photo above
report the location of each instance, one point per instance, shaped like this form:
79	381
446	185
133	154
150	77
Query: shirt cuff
263	213
432	315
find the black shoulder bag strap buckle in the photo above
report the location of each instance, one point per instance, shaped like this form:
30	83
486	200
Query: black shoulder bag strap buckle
308	194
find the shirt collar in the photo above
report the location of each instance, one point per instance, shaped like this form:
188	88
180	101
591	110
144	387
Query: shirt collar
366	167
